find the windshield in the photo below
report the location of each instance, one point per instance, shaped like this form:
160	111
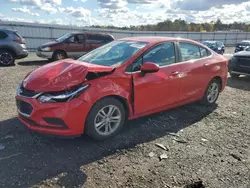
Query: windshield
209	44
64	37
113	53
243	44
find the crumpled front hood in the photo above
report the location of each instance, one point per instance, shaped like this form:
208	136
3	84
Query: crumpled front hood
60	75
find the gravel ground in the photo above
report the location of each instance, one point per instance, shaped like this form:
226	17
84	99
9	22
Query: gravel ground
205	147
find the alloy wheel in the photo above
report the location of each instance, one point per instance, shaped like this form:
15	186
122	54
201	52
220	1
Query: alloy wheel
6	58
213	92
60	56
107	120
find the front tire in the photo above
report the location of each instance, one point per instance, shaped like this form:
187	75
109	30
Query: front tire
59	55
212	93
6	58
105	119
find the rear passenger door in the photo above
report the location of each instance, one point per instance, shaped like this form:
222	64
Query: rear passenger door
194	72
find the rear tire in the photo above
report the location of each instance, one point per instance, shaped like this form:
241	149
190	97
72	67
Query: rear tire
105	119
234	76
59	55
212	93
7	58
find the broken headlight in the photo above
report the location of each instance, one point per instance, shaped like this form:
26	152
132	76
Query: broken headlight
62	96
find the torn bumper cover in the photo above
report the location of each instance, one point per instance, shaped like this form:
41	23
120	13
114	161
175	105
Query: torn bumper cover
65	119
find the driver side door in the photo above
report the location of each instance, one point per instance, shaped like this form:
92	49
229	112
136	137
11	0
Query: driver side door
157	90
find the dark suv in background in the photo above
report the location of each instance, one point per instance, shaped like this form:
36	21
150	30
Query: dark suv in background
73	45
242	46
12	46
239	64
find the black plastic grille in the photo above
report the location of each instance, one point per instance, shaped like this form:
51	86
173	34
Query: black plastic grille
27	93
24	107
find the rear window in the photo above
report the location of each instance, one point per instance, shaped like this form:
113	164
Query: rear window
16	35
204	52
3	35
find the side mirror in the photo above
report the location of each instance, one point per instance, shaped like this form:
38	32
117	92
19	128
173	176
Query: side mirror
149	67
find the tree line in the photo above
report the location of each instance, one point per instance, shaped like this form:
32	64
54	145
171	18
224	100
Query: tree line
182	25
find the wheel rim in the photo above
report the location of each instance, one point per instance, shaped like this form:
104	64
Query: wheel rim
107	120
60	56
213	92
6	58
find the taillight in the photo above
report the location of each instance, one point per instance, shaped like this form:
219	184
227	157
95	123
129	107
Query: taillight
21	41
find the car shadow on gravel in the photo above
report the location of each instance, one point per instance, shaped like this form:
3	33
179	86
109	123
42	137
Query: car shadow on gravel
239	83
33	63
29	158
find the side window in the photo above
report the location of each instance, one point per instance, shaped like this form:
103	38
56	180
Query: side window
71	39
137	65
221	44
79	38
203	52
92	38
3	35
107	38
162	54
208	53
189	51
95	38
76	39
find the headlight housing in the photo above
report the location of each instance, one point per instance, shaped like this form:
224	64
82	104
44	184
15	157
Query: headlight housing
46	49
62	96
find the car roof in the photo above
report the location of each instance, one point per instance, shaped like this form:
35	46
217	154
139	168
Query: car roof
8	30
245	41
92	33
212	41
155	39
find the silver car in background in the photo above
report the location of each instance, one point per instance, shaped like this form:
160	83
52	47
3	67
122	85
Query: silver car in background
12	47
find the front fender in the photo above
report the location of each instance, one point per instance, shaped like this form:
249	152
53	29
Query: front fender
120	87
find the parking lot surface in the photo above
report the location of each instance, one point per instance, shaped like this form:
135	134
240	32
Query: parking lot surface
206	146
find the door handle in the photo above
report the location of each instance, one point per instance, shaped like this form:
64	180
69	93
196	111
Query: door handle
206	64
175	73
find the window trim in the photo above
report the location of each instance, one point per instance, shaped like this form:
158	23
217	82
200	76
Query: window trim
177	57
177	53
73	36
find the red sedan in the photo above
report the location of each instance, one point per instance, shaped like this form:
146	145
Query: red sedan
124	79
